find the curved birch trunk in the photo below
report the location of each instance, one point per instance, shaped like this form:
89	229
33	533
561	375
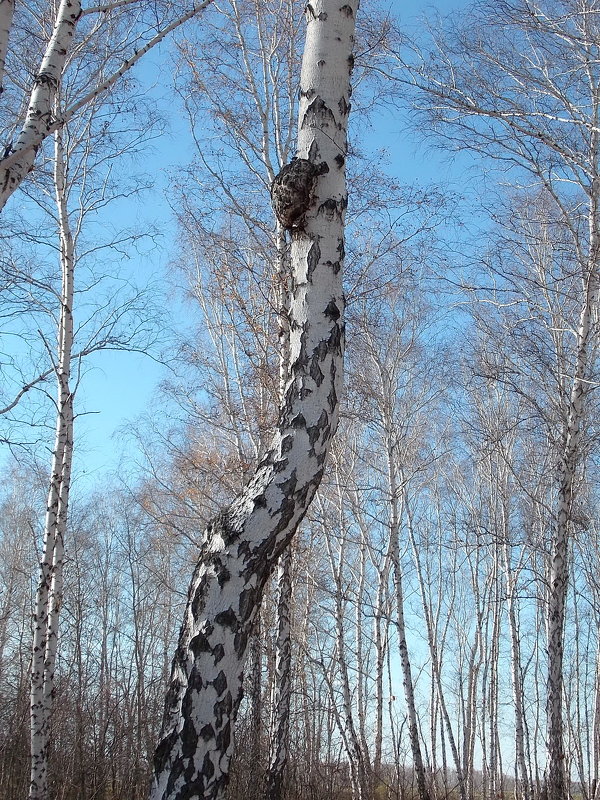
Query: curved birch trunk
49	592
241	546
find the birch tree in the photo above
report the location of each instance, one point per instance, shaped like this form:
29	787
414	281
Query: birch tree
79	191
240	546
33	85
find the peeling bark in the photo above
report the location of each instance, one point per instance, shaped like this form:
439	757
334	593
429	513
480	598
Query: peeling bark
241	546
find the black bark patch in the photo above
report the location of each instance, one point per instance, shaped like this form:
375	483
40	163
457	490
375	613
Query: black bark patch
221	571
344	107
208	769
287	443
247	603
313	151
315	371
340	160
223	739
347	10
332	399
220	683
341	249
280	465
218	653
319	109
207	732
177	769
260	501
240	642
222	524
199	596
329	208
227	619
314	431
244	551
332	311
312	259
288	487
195	682
222	708
335	339
298	422
200	644
189	737
161	754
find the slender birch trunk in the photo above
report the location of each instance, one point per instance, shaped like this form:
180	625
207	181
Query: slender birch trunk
556	780
522	782
380	638
407	679
282	686
7	10
241	546
255	773
49	591
357	758
435	663
282	689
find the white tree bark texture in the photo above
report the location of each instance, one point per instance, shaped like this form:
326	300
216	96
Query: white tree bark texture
7	9
241	546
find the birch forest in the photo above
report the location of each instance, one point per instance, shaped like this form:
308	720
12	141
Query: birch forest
349	548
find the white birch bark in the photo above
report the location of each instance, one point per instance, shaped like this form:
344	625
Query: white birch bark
282	685
282	689
7	9
240	547
49	591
